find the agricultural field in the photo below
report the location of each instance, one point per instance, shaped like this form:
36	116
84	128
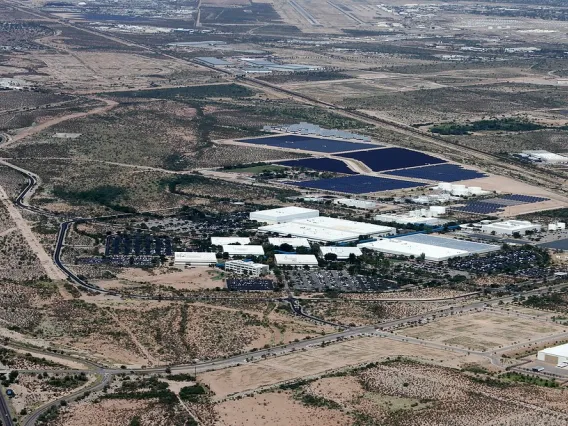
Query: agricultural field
483	330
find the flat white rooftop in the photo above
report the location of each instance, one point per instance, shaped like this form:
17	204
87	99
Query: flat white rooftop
243	250
194	257
219	241
296	259
312	233
294	242
407	248
359	228
283	214
340	252
561	350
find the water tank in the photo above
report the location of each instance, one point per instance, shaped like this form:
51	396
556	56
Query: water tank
552	227
438	210
445	186
561	225
475	190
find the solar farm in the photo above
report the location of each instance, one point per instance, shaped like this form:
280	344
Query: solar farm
439	172
307	143
138	245
319	164
359	184
497	204
379	160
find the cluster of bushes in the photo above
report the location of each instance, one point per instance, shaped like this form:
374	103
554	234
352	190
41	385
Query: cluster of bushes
504	124
105	195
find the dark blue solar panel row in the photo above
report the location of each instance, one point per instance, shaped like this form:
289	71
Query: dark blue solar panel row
359	184
524	198
309	143
320	164
440	172
479	207
392	158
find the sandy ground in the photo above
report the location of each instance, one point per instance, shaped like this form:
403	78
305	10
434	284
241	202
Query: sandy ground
317	361
483	330
63	361
51	270
196	278
276	409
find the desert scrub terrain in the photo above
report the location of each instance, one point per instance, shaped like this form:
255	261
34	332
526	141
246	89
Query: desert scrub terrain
363	313
12	181
402	392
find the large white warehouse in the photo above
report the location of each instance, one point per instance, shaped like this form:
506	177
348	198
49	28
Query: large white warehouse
297	260
194	258
359	228
310	232
236	250
294	242
219	241
509	227
555	355
434	248
283	214
342	253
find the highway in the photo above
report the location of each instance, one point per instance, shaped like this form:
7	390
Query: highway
5	415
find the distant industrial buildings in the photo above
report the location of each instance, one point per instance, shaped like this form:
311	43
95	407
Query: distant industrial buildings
433	248
510	227
419	216
358	204
283	214
296	260
194	259
246	268
461	190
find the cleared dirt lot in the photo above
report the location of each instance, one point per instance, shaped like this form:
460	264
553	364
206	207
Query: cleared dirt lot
317	361
483	330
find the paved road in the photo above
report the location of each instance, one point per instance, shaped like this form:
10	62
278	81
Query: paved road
5	415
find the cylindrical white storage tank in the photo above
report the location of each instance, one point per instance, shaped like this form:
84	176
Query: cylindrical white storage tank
445	186
458	187
561	225
552	227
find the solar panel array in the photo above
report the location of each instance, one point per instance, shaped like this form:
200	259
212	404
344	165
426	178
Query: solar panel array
138	245
307	143
359	184
496	204
392	158
320	164
249	284
450	243
440	172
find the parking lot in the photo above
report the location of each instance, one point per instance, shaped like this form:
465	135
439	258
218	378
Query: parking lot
323	280
521	262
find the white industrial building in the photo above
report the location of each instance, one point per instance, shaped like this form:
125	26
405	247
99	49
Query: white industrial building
311	233
544	157
220	241
358	204
557	226
294	242
283	214
246	268
342	253
359	228
236	250
510	227
459	190
419	216
434	248
555	355
194	258
297	260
